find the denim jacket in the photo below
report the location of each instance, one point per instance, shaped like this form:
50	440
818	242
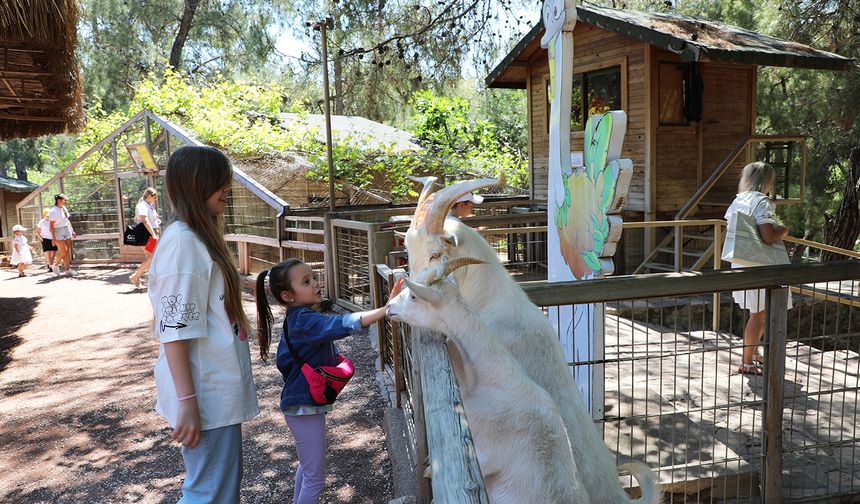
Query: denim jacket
312	335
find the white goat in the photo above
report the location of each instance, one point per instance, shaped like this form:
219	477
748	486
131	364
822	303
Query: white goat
523	329
519	436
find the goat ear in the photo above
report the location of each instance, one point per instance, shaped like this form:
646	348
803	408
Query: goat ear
449	239
428	294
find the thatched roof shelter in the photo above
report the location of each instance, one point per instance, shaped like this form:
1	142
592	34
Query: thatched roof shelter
40	83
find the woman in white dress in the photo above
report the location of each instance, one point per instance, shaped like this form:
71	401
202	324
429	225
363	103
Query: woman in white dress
22	252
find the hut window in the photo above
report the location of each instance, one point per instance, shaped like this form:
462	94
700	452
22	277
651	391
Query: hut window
602	89
673	88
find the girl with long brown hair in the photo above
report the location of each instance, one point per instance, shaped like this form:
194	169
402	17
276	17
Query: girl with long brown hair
203	373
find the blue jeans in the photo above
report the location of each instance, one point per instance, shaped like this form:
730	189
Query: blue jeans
214	467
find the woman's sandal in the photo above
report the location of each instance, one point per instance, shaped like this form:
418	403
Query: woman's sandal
752	369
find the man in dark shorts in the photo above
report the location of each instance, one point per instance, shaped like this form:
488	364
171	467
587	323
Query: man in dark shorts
43	230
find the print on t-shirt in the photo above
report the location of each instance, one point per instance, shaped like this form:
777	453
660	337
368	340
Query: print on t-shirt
174	312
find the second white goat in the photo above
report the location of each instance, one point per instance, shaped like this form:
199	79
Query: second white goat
519	436
516	323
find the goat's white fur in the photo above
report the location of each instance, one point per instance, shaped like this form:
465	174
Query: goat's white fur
519	436
526	332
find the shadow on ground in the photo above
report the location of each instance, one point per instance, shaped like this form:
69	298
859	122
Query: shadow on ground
14	313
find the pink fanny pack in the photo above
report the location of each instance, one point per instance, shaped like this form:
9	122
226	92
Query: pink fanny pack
326	382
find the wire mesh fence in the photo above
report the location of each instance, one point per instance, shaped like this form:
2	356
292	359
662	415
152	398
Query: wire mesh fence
670	389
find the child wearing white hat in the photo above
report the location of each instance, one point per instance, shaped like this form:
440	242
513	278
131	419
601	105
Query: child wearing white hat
463	206
22	252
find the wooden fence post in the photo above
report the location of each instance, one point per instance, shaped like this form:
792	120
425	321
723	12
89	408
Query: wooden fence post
329	238
718	252
418	418
776	328
456	477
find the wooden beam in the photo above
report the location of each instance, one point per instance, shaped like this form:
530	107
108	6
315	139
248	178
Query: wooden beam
25	75
688	283
13	117
776	329
23	99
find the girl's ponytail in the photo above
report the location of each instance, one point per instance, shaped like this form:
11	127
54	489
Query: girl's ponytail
264	316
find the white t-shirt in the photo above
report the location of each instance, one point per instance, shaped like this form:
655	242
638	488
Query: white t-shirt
45	228
59	216
144	208
186	289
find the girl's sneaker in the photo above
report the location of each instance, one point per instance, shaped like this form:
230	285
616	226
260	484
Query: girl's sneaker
72	272
58	270
21	274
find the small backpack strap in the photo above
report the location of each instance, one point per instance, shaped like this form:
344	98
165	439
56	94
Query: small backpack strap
298	360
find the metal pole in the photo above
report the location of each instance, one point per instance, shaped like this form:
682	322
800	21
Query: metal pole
327	108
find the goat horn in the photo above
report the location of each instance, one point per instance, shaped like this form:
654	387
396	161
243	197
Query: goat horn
445	199
424	292
426	193
459	262
427	183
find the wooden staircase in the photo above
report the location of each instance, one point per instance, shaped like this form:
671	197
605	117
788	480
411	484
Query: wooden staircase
696	250
696	245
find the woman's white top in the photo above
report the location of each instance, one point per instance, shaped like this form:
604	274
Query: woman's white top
145	209
186	289
21	251
755	204
59	216
45	228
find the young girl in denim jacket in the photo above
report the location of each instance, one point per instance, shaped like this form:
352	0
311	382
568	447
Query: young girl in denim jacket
293	284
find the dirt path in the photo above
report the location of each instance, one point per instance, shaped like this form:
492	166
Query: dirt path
77	396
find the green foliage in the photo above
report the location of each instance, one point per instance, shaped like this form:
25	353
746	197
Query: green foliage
122	41
242	118
465	145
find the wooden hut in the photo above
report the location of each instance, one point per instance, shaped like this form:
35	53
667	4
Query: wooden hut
40	84
688	87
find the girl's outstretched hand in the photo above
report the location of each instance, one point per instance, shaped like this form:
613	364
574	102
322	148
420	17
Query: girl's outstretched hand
187	429
395	290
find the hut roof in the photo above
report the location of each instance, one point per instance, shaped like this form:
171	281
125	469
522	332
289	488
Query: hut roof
14	185
40	83
356	131
695	39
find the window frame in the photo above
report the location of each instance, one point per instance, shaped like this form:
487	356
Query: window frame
583	69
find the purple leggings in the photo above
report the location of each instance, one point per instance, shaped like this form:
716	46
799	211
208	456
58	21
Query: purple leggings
309	434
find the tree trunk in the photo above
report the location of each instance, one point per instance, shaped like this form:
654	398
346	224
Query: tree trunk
20	169
842	229
185	25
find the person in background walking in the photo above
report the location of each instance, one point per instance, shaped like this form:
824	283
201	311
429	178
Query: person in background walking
146	212
61	235
203	376
43	231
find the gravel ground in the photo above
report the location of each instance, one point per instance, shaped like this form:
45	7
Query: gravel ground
77	397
